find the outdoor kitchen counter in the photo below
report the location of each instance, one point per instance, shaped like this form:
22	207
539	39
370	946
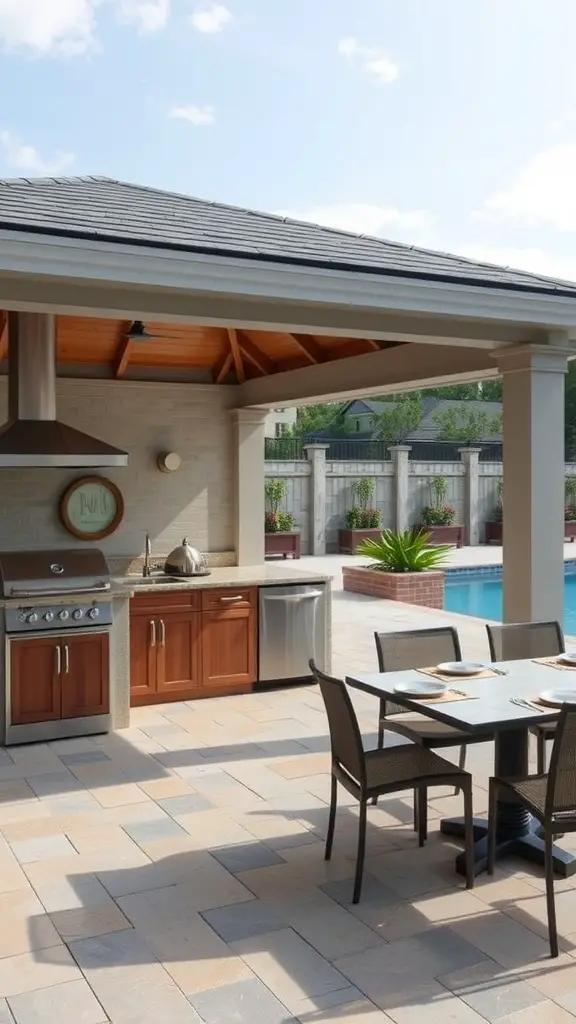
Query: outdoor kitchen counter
232	576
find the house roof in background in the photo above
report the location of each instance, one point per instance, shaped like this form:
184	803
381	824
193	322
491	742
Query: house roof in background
428	429
101	208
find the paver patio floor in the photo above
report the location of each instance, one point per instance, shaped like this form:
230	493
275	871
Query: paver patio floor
174	872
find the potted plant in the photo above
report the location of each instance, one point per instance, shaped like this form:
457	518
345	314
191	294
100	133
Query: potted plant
362	520
494	525
402	567
438	517
280	534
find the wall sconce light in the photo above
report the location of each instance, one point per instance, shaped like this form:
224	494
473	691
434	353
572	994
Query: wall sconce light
168	462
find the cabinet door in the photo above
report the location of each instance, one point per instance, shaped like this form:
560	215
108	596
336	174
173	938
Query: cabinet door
178	655
85	675
229	647
34	680
143	638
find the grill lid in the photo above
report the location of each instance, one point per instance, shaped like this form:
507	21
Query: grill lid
71	570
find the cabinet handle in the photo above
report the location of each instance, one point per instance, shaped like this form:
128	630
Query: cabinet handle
162	633
58	661
228	600
66	660
153	633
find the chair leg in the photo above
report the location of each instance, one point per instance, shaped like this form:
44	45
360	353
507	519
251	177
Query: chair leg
461	762
361	852
416	811
422	800
540	752
331	818
492	809
550	902
469	835
374	800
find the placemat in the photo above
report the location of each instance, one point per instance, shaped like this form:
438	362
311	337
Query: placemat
540	705
553	663
486	673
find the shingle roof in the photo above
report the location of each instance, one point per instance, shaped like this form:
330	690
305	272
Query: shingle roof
116	211
428	429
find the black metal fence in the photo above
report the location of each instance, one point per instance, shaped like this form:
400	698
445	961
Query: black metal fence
353	449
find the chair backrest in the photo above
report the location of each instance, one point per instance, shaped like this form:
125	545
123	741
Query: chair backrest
345	738
513	641
561	790
415	648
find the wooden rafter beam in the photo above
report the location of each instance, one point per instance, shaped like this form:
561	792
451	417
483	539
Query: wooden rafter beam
256	356
222	368
123	353
236	354
311	349
3	335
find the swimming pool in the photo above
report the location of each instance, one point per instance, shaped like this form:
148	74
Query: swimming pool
479	593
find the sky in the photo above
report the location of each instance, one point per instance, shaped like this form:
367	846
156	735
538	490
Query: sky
449	124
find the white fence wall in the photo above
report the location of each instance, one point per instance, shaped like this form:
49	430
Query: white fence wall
420	478
339	479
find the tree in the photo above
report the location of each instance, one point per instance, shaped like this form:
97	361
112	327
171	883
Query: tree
312	419
467	426
395	424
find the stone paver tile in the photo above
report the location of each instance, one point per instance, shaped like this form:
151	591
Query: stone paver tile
119	795
305	764
129	982
289	966
72	1002
192	953
72	805
5	1014
31	829
143	832
551	977
190	804
24	925
245	856
25	810
491	992
204	885
87	922
245	920
248	1001
437	1006
55	784
503	939
15	791
328	927
543	1013
358	1012
38	969
85	757
161	789
28	851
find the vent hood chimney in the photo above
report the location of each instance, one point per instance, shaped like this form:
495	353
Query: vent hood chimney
33	436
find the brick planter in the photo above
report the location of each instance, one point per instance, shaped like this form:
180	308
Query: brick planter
282	544
348	540
446	534
425	588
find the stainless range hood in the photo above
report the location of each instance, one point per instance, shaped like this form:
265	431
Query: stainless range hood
33	436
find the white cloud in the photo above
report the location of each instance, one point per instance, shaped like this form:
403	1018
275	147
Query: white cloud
26	159
146	15
196	115
48	26
364	219
537	261
374	60
210	19
542	193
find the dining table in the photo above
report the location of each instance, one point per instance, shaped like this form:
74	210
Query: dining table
492	709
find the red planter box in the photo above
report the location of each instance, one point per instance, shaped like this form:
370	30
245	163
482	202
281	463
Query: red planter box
494	532
424	588
446	534
282	544
570	530
348	540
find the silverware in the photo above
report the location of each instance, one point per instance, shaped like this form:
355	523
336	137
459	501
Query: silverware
459	693
499	671
521	703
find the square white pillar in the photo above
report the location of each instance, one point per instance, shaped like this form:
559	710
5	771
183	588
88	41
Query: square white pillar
533	483
316	455
401	457
249	484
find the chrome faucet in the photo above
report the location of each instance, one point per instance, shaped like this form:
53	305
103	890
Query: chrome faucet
147	568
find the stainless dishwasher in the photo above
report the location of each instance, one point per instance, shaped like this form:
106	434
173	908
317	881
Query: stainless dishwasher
292	629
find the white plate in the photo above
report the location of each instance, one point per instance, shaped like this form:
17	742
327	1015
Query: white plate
421	689
569	658
460	668
562	695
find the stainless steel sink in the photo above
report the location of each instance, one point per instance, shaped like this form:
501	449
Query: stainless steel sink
146	581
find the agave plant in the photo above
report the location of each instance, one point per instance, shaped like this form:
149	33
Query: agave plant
403	552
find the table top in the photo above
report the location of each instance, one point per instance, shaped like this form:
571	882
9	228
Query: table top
492	710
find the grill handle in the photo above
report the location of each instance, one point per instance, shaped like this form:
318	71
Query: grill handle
100	588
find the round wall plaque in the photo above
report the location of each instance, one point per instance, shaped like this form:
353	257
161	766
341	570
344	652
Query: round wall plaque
92	508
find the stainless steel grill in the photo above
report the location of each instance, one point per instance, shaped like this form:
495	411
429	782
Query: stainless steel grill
45	584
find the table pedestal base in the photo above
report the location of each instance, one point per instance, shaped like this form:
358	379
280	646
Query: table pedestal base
527	845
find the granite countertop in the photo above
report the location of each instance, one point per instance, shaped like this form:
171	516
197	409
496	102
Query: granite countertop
230	576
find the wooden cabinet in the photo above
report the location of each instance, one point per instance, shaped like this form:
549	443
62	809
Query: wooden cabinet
59	677
192	644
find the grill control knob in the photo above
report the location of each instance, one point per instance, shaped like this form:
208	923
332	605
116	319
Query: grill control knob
32	617
77	613
48	616
93	613
63	615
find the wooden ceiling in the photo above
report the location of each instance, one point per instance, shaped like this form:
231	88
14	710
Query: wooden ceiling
229	355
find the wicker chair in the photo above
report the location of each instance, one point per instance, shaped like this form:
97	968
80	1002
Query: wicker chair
550	798
516	640
365	774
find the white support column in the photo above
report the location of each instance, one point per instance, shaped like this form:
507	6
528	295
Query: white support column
400	453
470	457
316	455
533	482
249	484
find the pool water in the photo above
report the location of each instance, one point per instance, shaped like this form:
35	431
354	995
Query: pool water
480	594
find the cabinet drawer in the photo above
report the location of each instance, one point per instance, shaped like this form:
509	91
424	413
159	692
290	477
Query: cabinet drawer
228	597
156	603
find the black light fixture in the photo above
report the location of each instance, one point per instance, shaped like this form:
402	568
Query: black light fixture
138	332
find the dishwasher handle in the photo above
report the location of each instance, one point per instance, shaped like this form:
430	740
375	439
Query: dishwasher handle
312	594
